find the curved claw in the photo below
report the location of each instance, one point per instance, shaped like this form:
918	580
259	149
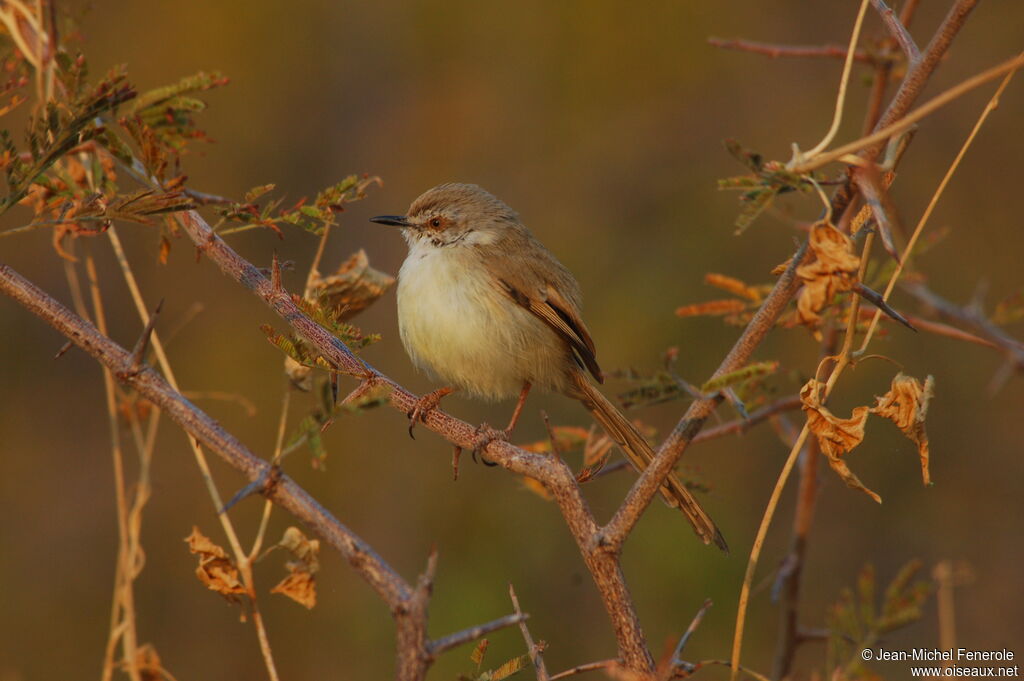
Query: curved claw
484	436
424	406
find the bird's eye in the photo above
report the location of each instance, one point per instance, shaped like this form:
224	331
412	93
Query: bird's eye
435	222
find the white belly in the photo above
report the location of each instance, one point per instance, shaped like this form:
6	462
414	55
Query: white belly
457	325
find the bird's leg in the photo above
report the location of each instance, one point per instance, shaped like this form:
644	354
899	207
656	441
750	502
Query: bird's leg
518	410
485	434
425	405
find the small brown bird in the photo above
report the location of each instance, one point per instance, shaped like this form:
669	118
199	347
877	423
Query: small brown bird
487	308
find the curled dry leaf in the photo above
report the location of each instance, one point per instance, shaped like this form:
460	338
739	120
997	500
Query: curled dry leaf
300	583
215	569
832	268
302	547
906	405
352	288
836	436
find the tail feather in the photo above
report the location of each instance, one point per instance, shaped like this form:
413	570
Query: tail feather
640	454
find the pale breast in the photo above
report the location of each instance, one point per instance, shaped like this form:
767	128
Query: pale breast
457	325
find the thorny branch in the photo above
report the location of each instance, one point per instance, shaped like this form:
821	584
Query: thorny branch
407	603
534	650
898	31
774	51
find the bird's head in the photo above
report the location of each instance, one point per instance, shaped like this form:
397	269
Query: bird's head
451	214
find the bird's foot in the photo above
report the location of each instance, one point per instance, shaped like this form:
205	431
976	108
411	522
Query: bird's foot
485	435
424	406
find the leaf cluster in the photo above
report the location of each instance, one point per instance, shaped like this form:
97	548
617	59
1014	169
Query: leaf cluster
258	210
56	129
767	180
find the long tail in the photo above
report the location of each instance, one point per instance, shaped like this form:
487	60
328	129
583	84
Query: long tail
640	454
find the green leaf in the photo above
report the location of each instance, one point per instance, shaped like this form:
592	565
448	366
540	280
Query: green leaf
755	370
656	389
755	204
751	159
168	94
312	212
257	192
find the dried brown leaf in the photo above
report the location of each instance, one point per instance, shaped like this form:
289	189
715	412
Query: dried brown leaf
353	287
215	569
299	585
712	307
832	269
906	405
836	436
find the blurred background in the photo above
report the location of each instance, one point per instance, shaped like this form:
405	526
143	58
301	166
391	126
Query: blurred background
601	123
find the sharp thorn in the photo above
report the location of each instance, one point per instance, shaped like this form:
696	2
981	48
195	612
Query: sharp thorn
878	301
139	351
63	349
275	273
246	491
266	481
455	463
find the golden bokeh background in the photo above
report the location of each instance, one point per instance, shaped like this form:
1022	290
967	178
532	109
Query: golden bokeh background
601	123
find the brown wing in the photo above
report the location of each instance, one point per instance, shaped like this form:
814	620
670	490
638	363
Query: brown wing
529	287
532	276
562	317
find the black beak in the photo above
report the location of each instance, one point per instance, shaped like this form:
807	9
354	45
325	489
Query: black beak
394	220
